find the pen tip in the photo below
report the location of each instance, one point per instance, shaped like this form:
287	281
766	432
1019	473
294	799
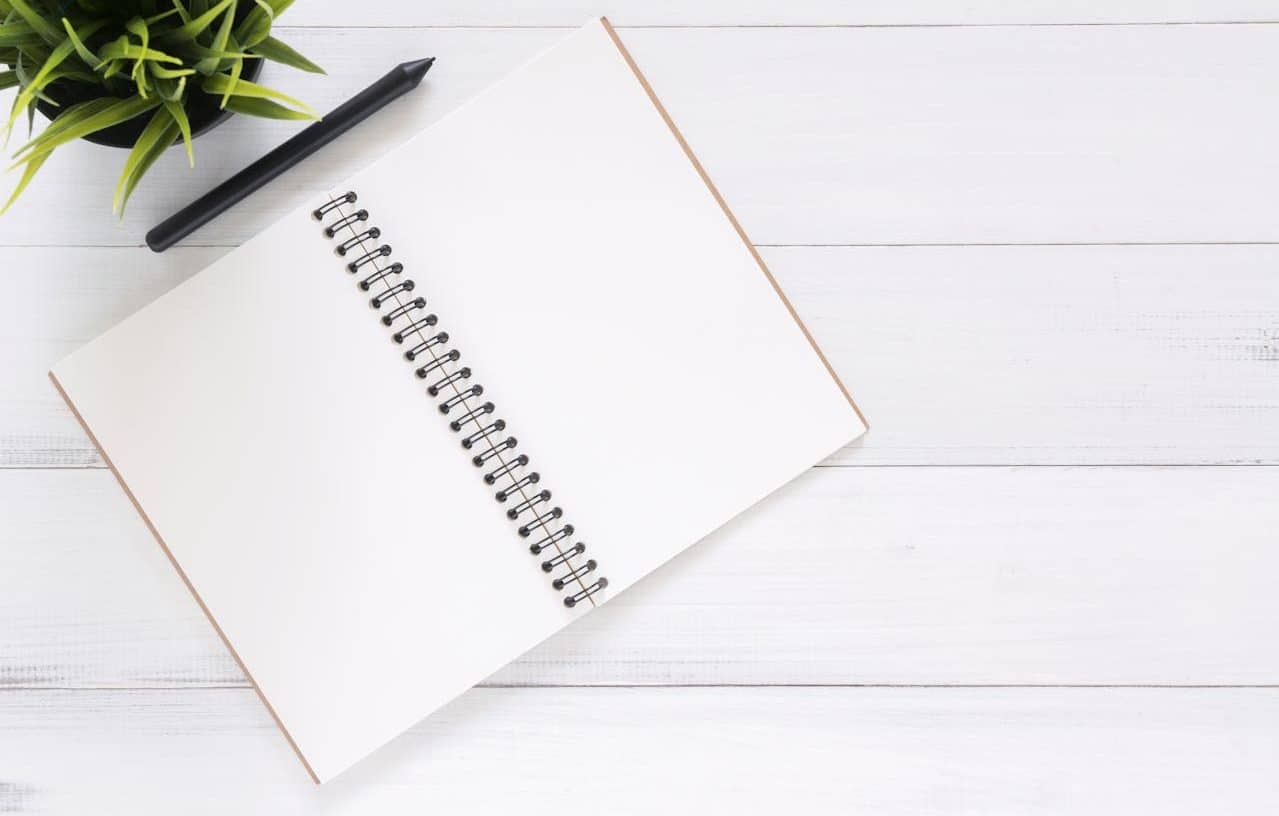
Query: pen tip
417	68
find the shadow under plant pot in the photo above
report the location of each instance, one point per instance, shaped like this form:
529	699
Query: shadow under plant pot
202	109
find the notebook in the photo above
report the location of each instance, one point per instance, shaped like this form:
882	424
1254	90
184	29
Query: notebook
459	400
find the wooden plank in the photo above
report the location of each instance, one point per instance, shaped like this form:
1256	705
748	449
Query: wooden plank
821	135
1050	355
959	355
688	750
779	12
848	576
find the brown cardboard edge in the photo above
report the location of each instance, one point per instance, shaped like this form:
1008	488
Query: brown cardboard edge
719	199
181	574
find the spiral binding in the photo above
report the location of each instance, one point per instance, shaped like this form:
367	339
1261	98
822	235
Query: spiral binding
482	433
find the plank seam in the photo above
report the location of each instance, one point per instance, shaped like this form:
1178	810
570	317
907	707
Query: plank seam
850	466
942	686
837	245
774	26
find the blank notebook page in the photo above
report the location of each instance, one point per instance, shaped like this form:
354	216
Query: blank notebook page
313	497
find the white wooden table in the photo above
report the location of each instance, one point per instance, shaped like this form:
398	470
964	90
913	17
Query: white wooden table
1041	244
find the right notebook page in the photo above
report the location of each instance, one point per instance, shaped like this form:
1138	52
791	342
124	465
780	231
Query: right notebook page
609	304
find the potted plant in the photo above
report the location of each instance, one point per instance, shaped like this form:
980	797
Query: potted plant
142	74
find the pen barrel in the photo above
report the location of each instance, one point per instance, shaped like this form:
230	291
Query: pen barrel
259	173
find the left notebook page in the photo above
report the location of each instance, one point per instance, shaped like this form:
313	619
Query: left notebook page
265	428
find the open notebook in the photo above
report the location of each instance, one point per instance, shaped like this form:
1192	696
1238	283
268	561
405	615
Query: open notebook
385	473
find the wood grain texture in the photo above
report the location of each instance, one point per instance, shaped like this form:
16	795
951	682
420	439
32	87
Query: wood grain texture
644	751
779	12
847	576
919	122
819	136
959	355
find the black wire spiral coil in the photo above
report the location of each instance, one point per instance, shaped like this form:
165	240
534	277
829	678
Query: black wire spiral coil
483	434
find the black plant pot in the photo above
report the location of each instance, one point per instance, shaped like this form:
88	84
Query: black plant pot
202	109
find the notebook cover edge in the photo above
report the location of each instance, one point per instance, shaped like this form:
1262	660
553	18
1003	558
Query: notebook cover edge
182	574
732	219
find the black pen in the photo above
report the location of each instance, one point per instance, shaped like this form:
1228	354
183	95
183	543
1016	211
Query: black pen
401	79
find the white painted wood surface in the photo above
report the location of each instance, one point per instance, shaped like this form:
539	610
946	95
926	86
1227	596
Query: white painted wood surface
677	750
1121	354
979	134
999	576
824	13
1070	478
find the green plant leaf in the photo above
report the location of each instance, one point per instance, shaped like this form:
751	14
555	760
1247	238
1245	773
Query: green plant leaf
218	84
83	120
29	173
265	108
197	50
137	54
34	18
36	84
237	68
164	15
170	90
210	64
196	25
179	116
256	25
91	59
181	11
22	66
19	69
70	70
233	75
68	118
18	33
138	27
156	137
122	49
161	72
280	52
